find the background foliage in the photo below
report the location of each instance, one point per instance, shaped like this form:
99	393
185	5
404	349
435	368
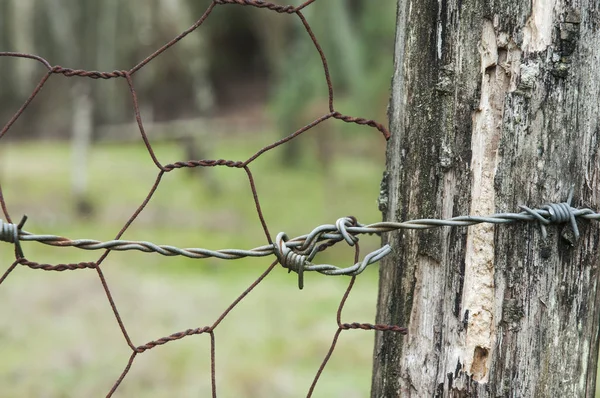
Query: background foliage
243	80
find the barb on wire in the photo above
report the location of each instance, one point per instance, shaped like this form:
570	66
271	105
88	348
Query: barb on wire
559	213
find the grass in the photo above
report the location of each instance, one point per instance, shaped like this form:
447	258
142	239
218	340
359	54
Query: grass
59	337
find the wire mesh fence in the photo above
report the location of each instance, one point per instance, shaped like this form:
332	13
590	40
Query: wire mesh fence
294	254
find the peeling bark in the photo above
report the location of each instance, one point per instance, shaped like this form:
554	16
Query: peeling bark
493	105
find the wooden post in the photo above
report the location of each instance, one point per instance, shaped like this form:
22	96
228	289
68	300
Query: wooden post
494	104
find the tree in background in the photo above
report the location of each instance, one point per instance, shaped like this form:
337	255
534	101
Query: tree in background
99	36
241	56
103	35
356	38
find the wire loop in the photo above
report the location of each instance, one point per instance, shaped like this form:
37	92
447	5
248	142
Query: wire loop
295	258
8	232
557	213
289	259
11	233
341	226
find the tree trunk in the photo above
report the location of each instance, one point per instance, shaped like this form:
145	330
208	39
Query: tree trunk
494	104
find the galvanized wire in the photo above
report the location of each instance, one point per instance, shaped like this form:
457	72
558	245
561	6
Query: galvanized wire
297	254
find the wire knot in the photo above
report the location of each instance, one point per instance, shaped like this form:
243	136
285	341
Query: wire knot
289	259
341	225
559	212
10	233
298	256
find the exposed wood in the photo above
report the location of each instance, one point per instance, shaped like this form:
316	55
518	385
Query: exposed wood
494	104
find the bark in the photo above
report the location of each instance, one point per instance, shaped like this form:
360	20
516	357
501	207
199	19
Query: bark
494	104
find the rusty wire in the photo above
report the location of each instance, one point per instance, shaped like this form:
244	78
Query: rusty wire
331	113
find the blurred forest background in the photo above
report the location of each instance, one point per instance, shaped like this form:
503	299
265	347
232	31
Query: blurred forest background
75	163
240	63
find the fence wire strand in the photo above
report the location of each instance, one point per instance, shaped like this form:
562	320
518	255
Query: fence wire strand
295	254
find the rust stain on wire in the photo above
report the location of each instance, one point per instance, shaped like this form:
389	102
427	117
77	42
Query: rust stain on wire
240	164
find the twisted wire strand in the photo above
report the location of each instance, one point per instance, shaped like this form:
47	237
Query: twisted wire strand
296	254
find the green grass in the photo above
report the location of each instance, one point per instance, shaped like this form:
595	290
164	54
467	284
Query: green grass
59	337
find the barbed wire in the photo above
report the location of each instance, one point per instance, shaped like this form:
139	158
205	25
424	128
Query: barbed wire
295	254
